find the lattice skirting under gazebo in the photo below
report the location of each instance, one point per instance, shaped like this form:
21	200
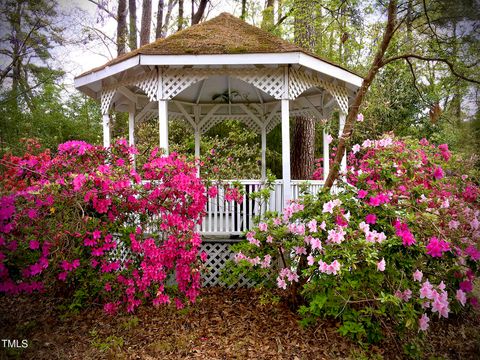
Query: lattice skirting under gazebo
218	253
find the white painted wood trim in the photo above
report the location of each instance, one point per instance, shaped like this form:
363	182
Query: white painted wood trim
197	147
209	115
222	59
326	155
342	119
186	114
252	115
131	125
264	152
163	124
330	70
106	130
106	72
286	151
131	129
128	94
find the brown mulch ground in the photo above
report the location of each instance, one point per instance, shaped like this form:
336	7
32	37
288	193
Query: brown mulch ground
224	324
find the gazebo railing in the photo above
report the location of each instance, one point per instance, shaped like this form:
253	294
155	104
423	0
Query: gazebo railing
233	218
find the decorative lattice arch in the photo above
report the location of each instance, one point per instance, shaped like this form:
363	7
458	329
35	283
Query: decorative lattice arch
300	81
216	119
106	98
269	80
148	83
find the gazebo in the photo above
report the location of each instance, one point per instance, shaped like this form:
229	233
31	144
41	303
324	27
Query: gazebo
265	81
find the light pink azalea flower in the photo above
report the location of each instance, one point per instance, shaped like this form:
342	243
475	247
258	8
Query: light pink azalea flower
310	260
461	297
423	322
312	225
263	226
381	265
418	275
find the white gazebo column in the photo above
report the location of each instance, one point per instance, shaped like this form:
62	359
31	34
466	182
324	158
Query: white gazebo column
131	128
163	125
326	155
106	130
162	115
342	117
286	151
264	152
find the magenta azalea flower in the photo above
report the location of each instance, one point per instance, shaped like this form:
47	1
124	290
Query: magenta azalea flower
438	173
436	247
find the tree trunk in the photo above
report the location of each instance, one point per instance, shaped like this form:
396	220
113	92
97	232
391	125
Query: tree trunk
303	143
244	10
168	15
146	22
158	31
132	33
121	27
377	63
268	14
303	148
180	15
197	16
16	62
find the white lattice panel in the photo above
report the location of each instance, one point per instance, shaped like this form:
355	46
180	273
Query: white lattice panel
218	255
106	99
177	80
216	119
341	95
300	81
149	84
269	80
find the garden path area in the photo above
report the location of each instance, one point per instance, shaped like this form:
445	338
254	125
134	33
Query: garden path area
224	324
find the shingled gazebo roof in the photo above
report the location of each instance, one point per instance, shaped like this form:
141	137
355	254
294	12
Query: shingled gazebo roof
224	34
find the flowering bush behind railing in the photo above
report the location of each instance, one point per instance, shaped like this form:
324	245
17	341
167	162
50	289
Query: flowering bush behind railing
62	217
401	245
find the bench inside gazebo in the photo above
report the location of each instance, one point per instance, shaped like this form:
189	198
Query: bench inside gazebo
267	80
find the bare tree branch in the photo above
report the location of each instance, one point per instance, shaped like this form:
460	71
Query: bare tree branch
352	114
100	6
410	65
430	59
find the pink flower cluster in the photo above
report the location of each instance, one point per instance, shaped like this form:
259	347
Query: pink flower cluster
402	231
437	298
436	247
165	196
286	275
332	268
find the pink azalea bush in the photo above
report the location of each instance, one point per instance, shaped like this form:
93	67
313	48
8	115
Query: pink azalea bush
400	242
86	223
